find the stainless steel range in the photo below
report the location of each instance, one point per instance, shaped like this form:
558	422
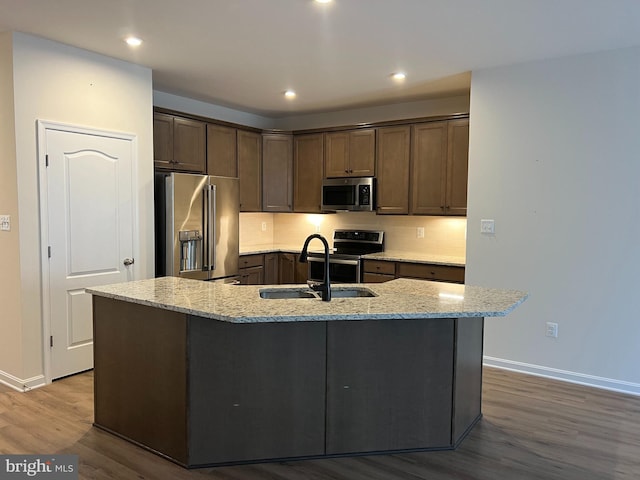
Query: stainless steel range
345	261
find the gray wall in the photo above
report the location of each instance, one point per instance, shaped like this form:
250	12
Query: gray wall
554	160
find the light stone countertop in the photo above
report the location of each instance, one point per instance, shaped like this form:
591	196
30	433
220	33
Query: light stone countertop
388	255
398	299
417	257
276	248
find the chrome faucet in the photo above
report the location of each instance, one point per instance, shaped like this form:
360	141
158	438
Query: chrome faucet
325	287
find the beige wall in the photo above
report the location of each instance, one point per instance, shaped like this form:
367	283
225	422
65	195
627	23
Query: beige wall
64	84
10	316
443	235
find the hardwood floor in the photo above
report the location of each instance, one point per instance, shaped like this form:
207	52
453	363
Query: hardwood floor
533	429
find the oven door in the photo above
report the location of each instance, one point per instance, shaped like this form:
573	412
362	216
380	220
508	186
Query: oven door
340	270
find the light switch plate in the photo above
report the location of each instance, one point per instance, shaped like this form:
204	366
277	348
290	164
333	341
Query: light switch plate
5	223
487	226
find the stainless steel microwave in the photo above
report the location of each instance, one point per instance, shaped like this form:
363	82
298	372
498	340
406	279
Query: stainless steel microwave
350	194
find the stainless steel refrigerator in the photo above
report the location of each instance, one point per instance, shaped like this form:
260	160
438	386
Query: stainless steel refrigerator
197	226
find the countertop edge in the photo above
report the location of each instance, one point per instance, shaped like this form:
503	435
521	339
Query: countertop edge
183	294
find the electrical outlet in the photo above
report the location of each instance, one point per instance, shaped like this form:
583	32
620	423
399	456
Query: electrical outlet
5	223
420	232
487	226
264	226
552	330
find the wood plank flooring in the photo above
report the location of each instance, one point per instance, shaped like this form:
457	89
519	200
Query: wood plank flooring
533	429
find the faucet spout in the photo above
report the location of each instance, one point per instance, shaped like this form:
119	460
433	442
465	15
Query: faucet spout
325	287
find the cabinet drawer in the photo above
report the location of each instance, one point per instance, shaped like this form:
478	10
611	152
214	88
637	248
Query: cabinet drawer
376	277
429	271
380	266
247	261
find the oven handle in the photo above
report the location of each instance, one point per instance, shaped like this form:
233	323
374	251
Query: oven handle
334	260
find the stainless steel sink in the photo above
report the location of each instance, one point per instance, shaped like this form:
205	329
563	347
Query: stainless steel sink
297	292
281	293
352	292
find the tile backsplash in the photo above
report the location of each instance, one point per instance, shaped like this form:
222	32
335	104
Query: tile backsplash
442	235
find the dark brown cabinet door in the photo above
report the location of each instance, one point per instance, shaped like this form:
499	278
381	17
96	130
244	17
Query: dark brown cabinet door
162	140
271	269
394	144
287	268
457	167
251	269
374	401
350	153
256	390
277	172
427	271
336	154
362	153
428	168
308	155
189	138
221	151
250	170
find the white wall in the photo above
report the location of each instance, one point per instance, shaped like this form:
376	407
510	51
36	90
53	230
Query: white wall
69	85
553	159
397	111
210	110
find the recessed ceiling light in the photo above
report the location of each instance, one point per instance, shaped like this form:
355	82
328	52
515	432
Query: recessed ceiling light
290	94
399	76
133	41
324	1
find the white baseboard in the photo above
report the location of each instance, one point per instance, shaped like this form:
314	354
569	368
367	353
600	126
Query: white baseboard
564	375
22	385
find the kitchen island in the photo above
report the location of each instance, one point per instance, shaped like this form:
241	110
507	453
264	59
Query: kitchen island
212	374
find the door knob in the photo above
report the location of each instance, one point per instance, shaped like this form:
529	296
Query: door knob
128	261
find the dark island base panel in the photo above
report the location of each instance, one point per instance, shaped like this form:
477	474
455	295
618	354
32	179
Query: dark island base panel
201	392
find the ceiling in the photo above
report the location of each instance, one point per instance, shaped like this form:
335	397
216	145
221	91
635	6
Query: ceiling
245	53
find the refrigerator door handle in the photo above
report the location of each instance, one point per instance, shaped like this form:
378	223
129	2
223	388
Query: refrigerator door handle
207	226
212	223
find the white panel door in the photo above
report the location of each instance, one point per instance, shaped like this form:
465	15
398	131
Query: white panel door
90	235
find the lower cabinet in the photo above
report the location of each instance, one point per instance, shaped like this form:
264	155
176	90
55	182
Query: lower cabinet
291	270
427	271
218	393
389	385
271	276
251	269
377	271
257	392
271	269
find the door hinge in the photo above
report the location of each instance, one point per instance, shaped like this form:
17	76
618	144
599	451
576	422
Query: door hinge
51	341
46	160
49	251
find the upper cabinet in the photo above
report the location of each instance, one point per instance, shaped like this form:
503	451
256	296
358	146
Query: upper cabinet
222	159
250	170
420	166
392	167
179	143
439	164
277	172
457	167
350	153
308	155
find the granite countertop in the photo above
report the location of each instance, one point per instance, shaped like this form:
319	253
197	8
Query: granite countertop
417	257
388	255
398	299
257	249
